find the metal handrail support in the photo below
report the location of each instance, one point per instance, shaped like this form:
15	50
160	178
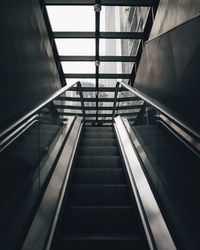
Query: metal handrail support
162	109
155	228
81	96
115	99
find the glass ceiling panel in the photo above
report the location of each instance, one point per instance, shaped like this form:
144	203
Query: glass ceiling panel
116	67
123	18
78	67
112	19
84	82
67	103
108	82
72	18
119	47
75	47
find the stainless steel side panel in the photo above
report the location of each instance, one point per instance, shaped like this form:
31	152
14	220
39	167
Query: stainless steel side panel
46	217
155	227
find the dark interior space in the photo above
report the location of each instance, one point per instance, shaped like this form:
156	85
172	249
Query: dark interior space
99	128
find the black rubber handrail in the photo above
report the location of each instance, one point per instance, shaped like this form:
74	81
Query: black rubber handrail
162	109
11	137
7	131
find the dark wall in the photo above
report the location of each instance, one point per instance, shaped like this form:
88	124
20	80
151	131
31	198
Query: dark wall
172	13
169	71
28	73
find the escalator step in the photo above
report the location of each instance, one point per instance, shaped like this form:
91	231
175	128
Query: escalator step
98	151
99	220
100	242
98	129
99	162
98	135
98	176
99	195
98	142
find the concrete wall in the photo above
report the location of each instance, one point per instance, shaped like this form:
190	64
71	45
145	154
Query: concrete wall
169	67
28	74
172	13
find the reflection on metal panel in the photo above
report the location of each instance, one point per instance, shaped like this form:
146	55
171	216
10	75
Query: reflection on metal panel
154	224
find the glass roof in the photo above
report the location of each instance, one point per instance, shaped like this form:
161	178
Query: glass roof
71	18
97	49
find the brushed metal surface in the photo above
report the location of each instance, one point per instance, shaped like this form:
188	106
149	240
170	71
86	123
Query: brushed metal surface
48	210
155	227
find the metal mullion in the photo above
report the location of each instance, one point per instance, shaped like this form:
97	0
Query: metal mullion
135	3
68	98
77	99
77	58
102	35
73	34
101	58
68	107
86	115
97	32
121	35
101	89
117	58
101	76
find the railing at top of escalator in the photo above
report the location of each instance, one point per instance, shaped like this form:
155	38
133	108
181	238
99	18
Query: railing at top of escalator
11	133
170	118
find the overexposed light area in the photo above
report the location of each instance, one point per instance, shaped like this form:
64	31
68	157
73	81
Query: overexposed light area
84	82
78	67
75	47
72	18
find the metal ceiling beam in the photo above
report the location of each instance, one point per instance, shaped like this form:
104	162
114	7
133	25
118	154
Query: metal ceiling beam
86	115
77	99
102	35
121	35
145	3
101	89
101	76
100	121
101	58
94	115
72	34
97	8
99	108
117	58
77	58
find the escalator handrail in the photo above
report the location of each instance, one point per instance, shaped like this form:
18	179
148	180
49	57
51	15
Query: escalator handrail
5	133
5	142
158	106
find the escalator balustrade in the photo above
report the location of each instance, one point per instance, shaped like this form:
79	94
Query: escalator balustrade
98	211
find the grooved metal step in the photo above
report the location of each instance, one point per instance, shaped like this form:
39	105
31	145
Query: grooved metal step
98	142
99	195
98	135
99	242
98	161
98	176
99	220
98	150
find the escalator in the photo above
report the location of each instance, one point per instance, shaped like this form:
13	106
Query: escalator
98	209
